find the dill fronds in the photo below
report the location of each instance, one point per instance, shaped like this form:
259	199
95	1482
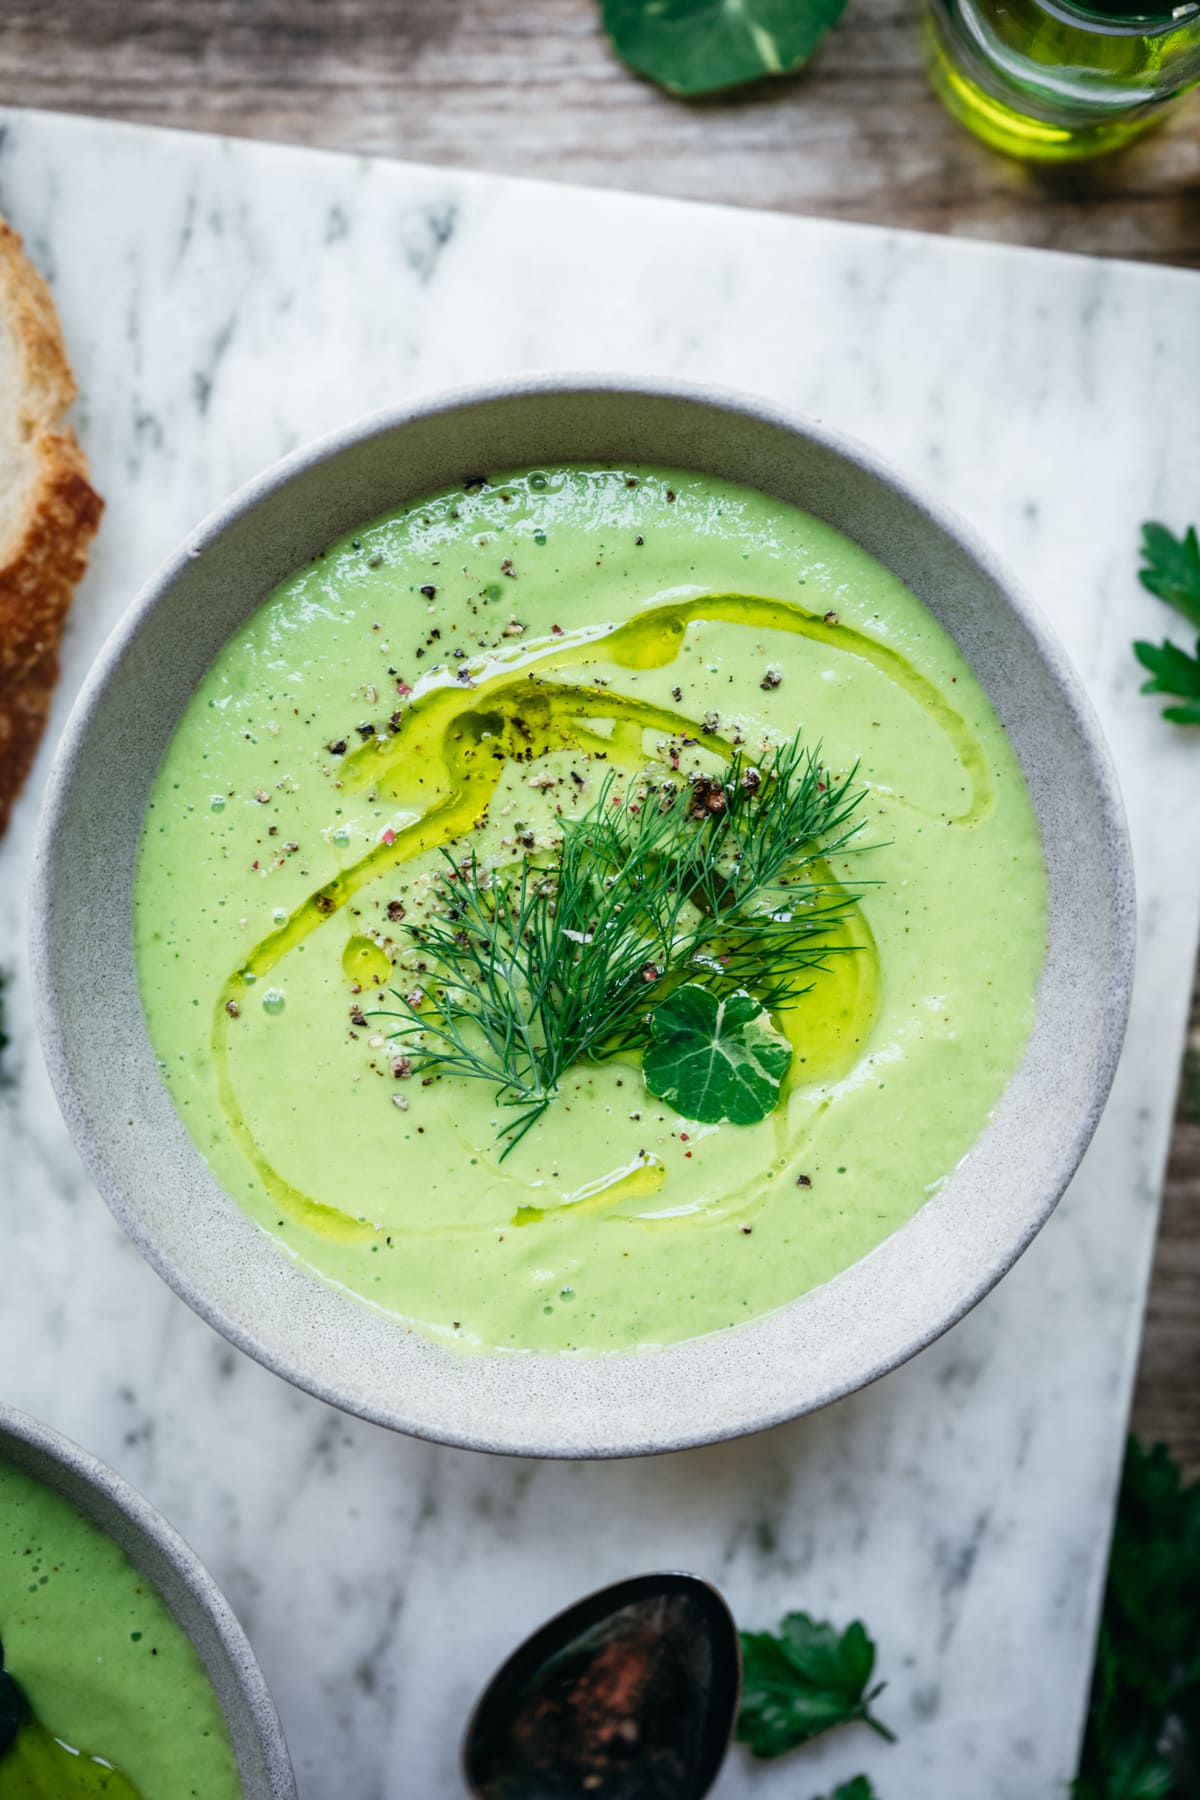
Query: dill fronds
708	880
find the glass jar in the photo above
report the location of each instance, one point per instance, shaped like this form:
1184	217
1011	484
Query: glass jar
1049	80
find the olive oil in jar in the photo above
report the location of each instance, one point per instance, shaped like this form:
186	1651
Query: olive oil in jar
1049	80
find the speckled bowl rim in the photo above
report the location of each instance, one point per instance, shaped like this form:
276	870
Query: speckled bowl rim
159	1554
646	1412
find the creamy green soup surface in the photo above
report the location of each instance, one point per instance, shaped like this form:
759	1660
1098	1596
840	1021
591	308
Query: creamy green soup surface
115	1700
462	675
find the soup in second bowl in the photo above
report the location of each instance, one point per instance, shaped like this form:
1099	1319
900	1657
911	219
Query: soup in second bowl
101	1692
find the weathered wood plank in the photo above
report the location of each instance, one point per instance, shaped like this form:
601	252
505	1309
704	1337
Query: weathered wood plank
1167	1401
530	86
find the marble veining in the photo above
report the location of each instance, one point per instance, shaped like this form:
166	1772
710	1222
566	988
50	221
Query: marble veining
225	302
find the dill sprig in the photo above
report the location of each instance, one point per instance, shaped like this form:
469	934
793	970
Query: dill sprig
708	880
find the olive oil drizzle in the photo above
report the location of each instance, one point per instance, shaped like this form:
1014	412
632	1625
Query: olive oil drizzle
509	708
654	638
38	1762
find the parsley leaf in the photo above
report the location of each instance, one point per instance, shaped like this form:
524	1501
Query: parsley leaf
1172	571
858	1789
1189	1096
802	1681
1143	1724
1172	568
1173	671
714	1059
701	46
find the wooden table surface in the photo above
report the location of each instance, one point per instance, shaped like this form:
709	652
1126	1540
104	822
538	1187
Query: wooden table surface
530	87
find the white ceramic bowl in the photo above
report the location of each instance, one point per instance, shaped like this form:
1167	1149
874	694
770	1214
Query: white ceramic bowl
835	1339
190	1594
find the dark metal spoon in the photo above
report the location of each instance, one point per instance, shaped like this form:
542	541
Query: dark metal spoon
629	1695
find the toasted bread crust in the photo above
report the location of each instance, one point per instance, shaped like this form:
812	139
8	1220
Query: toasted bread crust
44	551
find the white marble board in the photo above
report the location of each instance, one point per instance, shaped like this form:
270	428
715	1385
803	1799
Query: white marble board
224	302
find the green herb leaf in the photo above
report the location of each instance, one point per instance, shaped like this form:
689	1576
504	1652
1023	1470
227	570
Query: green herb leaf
1143	1729
858	1789
1173	671
1172	568
715	1058
1189	1087
702	46
803	1681
722	882
1172	571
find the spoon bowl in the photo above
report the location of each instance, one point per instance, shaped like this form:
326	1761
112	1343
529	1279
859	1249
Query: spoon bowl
631	1694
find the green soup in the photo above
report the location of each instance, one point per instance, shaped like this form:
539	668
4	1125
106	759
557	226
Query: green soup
459	677
115	1701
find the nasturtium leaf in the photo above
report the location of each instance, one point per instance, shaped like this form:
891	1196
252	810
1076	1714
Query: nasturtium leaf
714	1059
702	46
802	1681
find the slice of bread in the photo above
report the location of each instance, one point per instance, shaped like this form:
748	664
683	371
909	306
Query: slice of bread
48	510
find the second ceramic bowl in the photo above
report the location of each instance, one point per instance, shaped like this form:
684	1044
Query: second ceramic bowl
823	1345
190	1594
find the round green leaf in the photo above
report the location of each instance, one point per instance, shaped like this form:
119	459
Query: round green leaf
701	46
715	1059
